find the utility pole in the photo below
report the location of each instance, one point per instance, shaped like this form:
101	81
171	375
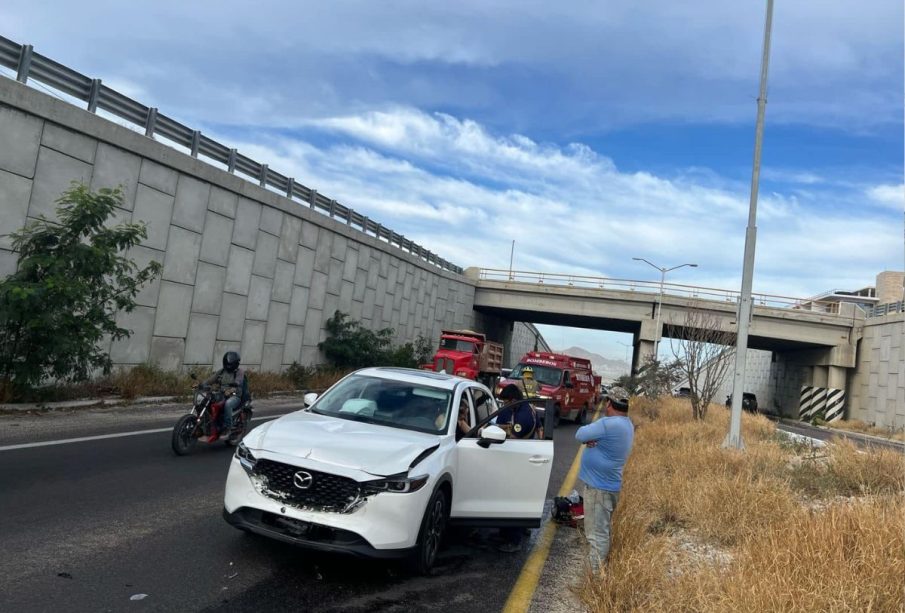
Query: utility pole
734	436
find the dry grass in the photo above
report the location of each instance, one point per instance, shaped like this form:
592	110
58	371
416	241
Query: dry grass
856	425
150	380
699	528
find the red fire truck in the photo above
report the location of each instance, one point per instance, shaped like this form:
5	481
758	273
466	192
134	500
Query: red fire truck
568	381
468	354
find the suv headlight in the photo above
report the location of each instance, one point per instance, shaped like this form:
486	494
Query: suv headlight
399	484
245	457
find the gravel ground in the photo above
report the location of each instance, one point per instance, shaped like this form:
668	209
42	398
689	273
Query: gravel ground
562	573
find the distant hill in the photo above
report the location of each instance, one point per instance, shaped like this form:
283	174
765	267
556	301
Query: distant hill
605	367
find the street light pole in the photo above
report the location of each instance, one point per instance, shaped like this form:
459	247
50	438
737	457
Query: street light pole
734	436
511	255
663	270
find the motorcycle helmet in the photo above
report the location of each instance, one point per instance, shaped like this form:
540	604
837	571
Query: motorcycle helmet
231	361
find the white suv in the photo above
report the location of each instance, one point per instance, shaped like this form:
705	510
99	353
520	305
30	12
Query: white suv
376	467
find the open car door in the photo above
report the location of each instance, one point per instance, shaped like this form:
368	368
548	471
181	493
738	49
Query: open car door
502	482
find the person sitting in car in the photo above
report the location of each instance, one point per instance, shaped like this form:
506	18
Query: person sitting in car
517	417
463	421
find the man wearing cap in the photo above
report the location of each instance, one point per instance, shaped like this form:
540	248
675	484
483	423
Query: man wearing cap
609	441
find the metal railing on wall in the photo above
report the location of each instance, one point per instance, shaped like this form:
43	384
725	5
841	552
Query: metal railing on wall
653	287
887	309
31	65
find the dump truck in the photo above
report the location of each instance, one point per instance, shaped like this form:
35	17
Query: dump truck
468	354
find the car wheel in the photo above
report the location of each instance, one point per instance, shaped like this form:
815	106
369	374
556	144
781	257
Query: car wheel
430	537
556	415
582	418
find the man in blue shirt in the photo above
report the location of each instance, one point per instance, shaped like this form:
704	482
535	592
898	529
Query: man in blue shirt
609	441
517	417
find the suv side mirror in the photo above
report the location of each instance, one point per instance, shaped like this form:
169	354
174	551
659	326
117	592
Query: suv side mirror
309	399
491	435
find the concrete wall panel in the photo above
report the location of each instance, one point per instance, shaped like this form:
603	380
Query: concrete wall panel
71	143
232	317
155	209
142	256
209	282
253	342
223	202
239	270
199	344
266	255
135	349
54	174
114	167
159	177
191	203
25	131
218	231
15	192
183	248
173	309
259	298
282	282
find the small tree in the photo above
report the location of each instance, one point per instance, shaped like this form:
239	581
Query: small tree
71	282
705	351
653	379
350	345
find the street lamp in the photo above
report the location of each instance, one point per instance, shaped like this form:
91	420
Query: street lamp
663	270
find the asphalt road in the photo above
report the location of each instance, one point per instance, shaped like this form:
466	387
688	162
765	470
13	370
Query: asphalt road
89	525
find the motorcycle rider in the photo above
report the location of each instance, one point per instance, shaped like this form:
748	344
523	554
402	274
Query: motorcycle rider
233	386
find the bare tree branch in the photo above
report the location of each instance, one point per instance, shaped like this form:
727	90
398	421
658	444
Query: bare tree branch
704	349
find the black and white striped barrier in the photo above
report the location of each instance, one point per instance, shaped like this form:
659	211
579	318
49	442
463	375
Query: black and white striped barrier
825	403
835	401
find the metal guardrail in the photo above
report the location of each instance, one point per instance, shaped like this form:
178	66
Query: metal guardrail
653	287
886	309
31	65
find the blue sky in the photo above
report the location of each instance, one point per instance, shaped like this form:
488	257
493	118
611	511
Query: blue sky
589	132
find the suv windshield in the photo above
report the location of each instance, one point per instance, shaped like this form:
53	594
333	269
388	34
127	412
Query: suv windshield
544	374
451	344
387	403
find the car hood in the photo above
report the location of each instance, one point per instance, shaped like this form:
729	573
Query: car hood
377	450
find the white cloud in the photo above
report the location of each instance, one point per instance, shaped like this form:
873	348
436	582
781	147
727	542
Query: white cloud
892	196
570	66
465	193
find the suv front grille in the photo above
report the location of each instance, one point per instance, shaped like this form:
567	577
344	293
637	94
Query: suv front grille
326	492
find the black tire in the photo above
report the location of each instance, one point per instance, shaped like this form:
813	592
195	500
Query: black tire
183	440
582	418
430	537
556	416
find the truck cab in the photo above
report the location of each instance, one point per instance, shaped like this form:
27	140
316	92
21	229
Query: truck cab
468	354
569	381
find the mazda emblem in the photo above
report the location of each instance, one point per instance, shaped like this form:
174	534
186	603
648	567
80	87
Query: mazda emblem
302	480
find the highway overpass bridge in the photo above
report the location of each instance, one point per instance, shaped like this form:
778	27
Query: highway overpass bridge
823	337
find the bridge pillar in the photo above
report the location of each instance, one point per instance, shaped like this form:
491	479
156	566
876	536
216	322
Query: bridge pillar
643	349
836	377
818	376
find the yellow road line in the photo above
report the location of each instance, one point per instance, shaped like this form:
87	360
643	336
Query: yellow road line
523	591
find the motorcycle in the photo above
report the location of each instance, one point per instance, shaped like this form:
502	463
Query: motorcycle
203	422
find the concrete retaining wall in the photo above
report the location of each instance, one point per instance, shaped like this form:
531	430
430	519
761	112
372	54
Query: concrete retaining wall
243	268
877	385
